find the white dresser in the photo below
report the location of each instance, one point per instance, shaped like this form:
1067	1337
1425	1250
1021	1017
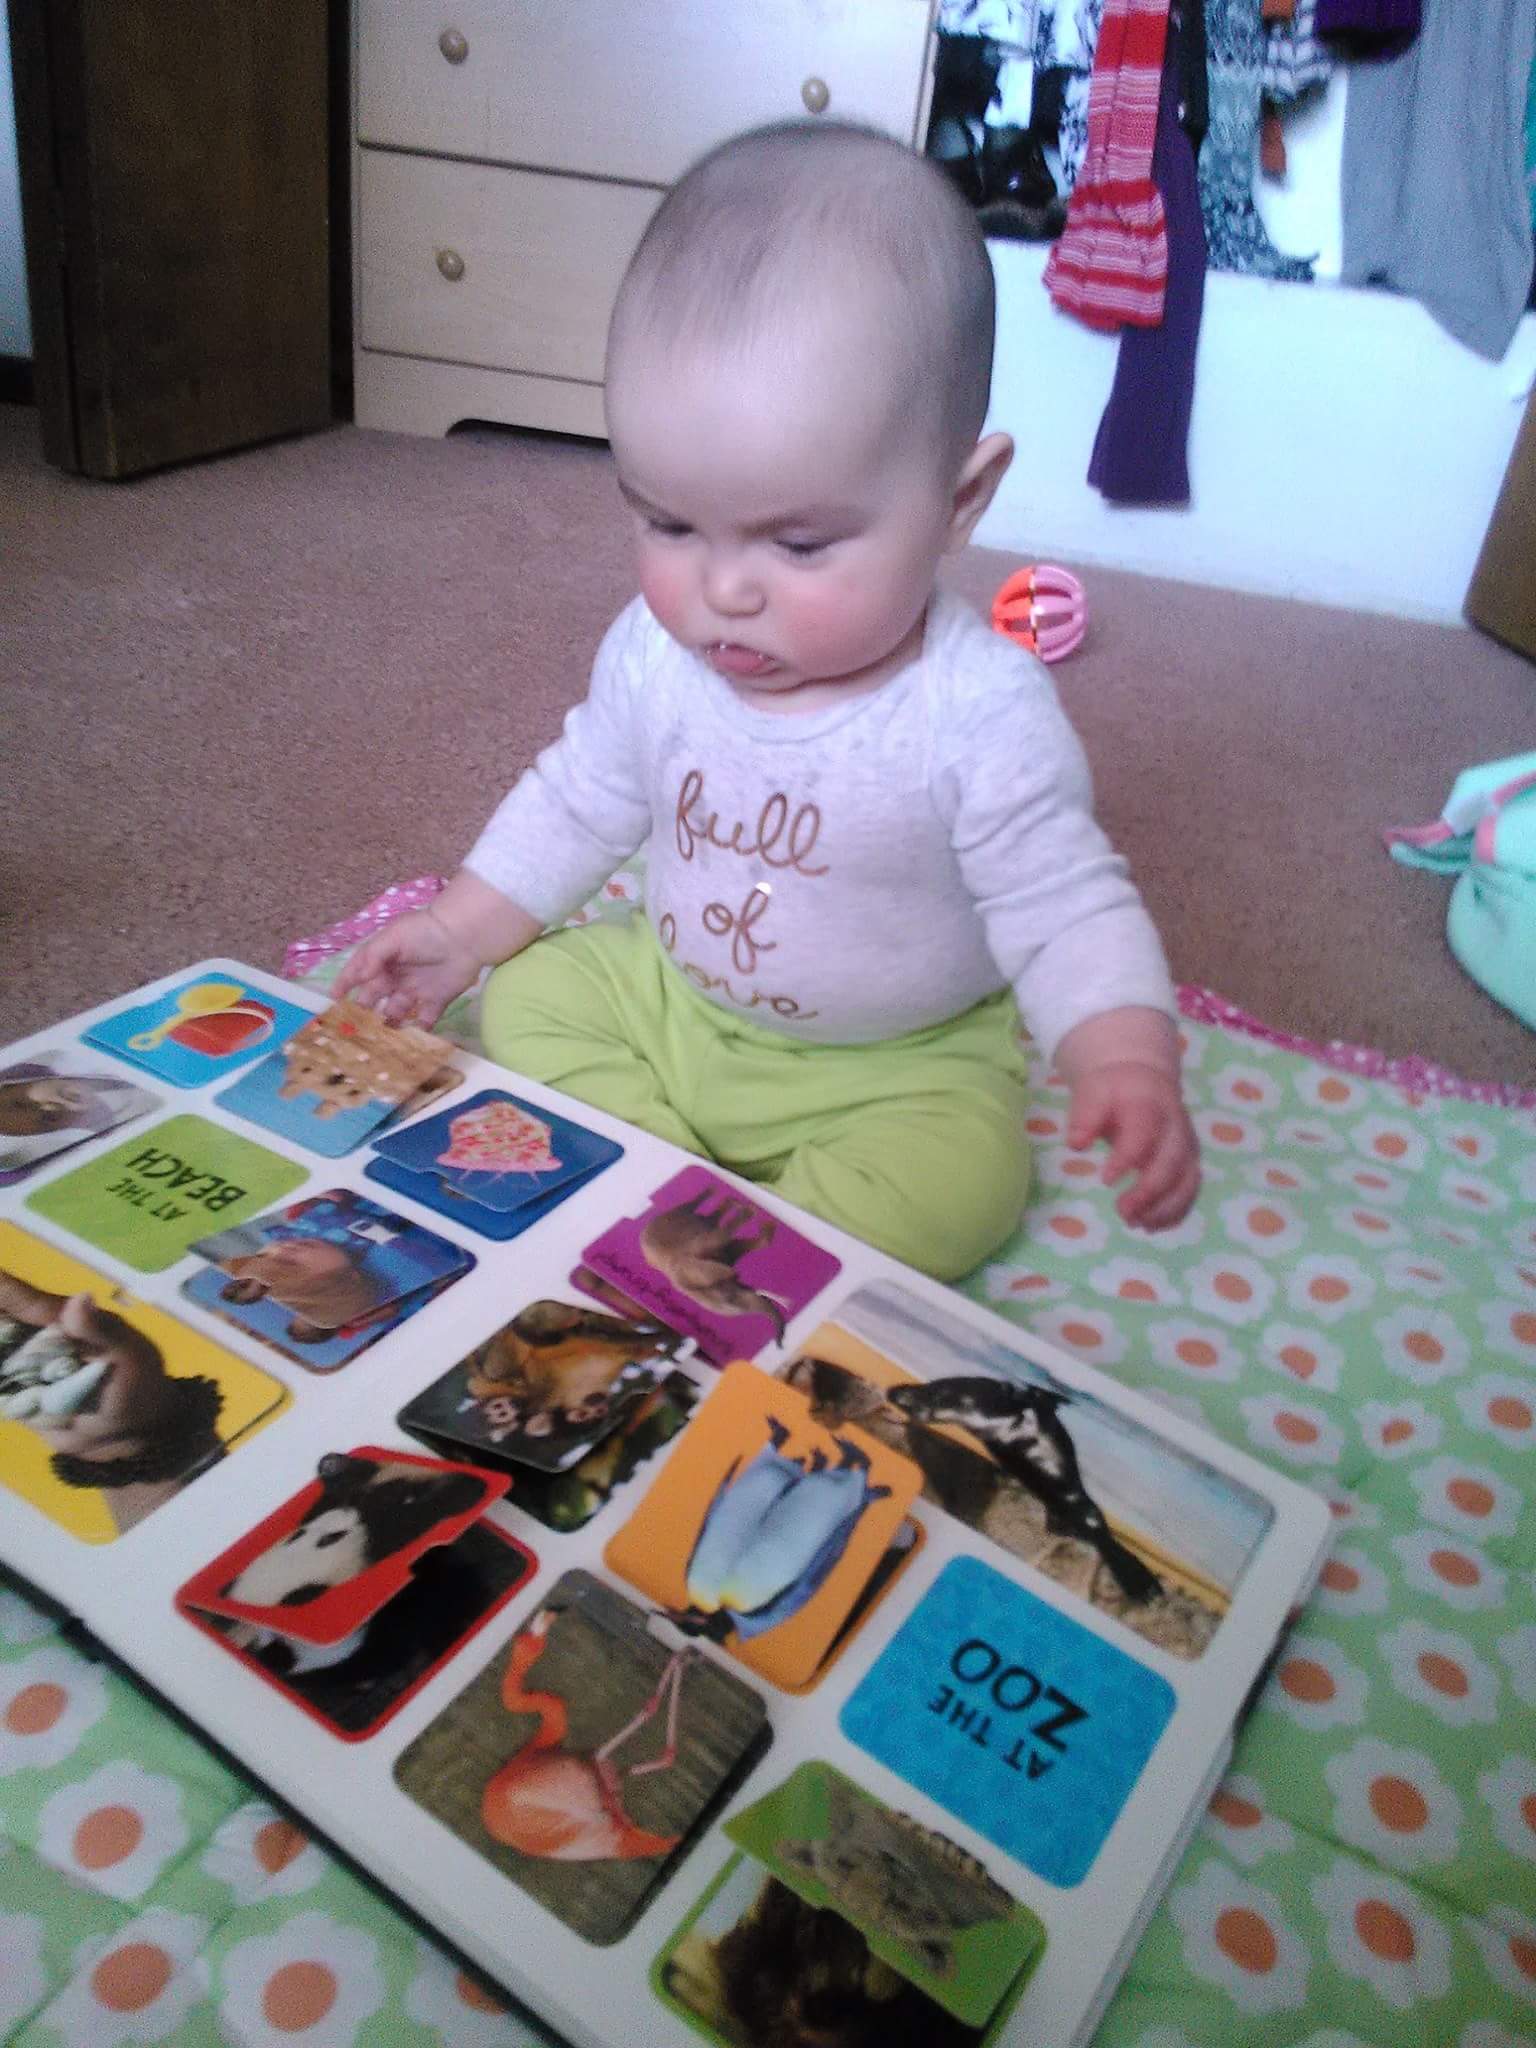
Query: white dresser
509	153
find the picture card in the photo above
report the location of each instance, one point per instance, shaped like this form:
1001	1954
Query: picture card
708	1260
199	1032
148	1199
545	1388
1113	1513
354	1593
56	1100
495	1163
1013	1717
108	1407
566	1501
341	1076
585	1755
763	1530
325	1277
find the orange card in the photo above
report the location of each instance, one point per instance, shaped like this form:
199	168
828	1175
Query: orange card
763	1530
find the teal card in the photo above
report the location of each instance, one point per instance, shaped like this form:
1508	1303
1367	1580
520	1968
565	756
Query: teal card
148	1200
1019	1721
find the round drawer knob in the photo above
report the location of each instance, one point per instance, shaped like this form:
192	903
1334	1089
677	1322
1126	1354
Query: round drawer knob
451	264
454	45
815	95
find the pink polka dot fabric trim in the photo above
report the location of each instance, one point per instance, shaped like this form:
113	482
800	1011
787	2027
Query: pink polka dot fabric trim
303	956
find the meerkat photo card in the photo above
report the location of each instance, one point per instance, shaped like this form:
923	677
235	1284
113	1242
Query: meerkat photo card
58	1099
109	1407
763	1530
1114	1514
708	1260
585	1755
199	1032
341	1076
495	1163
351	1594
957	1948
565	1501
325	1277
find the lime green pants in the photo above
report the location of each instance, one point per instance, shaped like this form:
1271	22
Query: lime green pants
914	1144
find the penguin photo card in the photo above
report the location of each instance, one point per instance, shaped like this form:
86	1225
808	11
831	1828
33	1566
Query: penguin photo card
765	1532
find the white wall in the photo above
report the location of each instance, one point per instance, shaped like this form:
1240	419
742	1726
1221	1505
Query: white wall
1343	448
15	324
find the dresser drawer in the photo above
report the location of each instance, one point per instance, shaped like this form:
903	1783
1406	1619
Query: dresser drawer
630	89
512	270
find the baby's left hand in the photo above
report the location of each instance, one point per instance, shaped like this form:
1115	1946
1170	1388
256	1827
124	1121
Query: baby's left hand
1137	1106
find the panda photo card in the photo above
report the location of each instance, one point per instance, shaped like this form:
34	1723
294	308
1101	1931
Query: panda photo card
495	1163
1015	1718
325	1277
586	1755
199	1032
56	1100
353	1593
822	1849
763	1530
1113	1513
340	1076
709	1261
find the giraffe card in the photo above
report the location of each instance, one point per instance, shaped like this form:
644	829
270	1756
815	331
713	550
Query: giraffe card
587	1753
715	1265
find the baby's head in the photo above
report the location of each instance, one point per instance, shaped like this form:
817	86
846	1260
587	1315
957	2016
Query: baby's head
798	373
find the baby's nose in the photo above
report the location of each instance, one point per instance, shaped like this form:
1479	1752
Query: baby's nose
730	587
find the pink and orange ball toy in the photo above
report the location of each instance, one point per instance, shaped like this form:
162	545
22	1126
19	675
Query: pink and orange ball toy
1044	609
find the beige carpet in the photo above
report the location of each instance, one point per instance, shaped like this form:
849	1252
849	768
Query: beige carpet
240	698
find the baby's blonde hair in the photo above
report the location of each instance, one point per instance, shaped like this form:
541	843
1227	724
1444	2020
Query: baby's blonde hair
755	231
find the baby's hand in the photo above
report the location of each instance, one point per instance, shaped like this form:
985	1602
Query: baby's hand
1138	1107
409	972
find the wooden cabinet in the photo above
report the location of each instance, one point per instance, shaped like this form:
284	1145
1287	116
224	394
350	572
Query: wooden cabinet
509	154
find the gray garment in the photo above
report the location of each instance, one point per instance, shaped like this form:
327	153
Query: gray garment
1435	203
848	874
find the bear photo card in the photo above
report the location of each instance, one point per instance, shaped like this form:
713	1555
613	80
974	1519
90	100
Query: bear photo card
763	1531
584	1757
325	1277
199	1032
56	1100
340	1077
349	1596
715	1265
495	1163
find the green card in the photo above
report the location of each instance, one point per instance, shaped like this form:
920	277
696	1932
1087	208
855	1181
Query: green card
148	1200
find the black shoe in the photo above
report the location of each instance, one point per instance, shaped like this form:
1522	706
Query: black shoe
1019	197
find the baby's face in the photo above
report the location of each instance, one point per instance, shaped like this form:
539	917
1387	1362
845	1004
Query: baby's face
790	515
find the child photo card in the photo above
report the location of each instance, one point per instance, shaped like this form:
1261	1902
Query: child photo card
763	1530
1111	1512
324	1278
197	1033
109	1407
148	1199
353	1593
585	1755
713	1264
1018	1720
56	1100
495	1163
340	1076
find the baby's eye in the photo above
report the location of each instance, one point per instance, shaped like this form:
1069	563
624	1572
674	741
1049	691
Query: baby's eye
802	550
668	529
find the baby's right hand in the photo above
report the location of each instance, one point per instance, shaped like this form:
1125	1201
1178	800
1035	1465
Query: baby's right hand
409	972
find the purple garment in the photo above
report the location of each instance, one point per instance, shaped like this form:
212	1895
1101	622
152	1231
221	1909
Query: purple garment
1370	27
1141	454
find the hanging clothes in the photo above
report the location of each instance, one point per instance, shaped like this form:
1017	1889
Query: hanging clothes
1369	28
1066	43
1296	63
1141	453
1435	202
1009	25
1236	237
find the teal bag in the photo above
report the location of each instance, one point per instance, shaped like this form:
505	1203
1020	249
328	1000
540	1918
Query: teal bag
1486	837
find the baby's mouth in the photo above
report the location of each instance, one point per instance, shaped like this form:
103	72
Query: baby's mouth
741	664
47	1377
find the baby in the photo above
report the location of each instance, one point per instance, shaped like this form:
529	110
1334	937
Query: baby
870	841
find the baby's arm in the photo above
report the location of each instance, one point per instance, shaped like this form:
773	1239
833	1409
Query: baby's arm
1123	1069
412	970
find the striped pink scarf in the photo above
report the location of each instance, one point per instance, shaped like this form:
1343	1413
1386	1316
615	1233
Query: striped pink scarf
1111	263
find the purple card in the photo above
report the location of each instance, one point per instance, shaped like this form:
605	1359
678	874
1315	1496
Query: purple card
713	1265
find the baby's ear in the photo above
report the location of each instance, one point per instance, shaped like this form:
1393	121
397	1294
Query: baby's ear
976	486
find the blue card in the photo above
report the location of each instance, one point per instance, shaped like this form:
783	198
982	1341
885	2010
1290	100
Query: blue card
1019	1721
495	1163
204	1029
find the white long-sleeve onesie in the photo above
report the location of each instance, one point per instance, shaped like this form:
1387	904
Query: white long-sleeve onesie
849	874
